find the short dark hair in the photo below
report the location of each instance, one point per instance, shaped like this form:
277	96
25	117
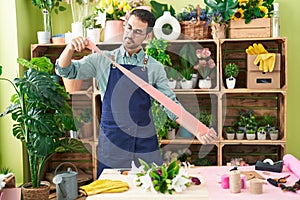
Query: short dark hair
145	16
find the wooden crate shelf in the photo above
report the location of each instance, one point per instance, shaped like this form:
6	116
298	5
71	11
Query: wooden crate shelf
221	102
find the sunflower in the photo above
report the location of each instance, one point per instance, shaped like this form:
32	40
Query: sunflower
264	10
239	14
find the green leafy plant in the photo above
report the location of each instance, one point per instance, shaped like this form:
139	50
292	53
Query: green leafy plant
187	73
231	70
5	170
42	115
253	9
206	118
220	11
49	5
158	9
43	64
230	129
157	49
90	21
172	73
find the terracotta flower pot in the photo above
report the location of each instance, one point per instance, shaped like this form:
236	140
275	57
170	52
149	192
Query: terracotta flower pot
113	31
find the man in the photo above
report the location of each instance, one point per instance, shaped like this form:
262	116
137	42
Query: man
127	131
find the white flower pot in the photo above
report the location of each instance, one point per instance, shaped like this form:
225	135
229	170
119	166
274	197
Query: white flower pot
171	134
172	84
230	136
250	136
93	34
240	136
230	82
205	83
274	135
261	135
186	84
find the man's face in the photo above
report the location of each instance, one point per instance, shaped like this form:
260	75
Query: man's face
135	32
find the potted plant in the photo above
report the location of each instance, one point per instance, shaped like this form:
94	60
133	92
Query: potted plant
268	121
47	6
250	133
261	133
219	14
42	115
188	59
157	49
230	133
231	71
274	134
205	66
172	75
186	81
93	24
41	64
240	134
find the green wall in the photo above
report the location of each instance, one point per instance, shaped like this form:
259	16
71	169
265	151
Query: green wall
19	23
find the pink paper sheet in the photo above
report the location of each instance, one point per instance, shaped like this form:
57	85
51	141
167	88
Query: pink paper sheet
211	176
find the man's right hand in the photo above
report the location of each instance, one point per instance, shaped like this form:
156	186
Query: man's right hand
78	44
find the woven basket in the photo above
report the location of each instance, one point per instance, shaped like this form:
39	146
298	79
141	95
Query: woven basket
41	193
195	30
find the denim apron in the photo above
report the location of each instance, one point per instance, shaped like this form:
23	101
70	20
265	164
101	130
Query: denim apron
126	131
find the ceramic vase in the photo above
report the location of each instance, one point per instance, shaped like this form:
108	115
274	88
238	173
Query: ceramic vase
230	82
186	84
205	83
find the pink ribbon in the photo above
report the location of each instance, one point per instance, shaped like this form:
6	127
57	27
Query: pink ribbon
185	118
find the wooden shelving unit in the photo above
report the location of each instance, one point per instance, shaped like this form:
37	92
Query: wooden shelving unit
223	103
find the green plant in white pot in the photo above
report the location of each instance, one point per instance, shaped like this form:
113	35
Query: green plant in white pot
231	71
42	115
250	133
261	133
240	134
186	81
274	133
230	133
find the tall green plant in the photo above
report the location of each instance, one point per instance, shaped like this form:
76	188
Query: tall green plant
157	49
42	115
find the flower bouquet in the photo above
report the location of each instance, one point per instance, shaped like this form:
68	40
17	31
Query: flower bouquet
253	9
206	64
193	22
165	178
114	9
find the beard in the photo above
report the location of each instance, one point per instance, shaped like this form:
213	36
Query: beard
129	43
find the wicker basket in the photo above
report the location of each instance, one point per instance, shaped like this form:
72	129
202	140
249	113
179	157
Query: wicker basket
41	193
195	30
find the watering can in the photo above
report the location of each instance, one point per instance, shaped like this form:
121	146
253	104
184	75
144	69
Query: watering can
66	183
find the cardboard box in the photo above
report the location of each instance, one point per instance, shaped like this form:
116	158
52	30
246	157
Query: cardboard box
257	28
257	79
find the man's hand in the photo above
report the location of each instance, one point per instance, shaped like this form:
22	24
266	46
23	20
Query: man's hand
78	44
210	137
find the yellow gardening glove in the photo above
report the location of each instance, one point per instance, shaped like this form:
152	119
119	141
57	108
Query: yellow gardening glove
256	49
266	62
105	186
